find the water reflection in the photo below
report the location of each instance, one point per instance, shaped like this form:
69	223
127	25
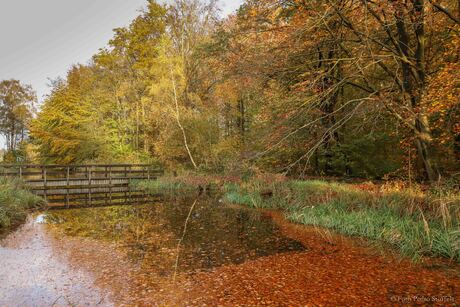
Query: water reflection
40	219
216	234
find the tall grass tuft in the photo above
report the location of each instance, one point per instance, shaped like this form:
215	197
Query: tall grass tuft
15	201
164	187
235	194
416	222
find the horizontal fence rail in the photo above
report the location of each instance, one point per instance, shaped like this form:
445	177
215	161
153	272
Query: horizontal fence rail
69	185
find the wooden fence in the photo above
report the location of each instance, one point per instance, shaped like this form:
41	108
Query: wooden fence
87	185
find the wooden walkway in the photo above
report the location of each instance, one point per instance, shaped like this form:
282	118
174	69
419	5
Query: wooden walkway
83	185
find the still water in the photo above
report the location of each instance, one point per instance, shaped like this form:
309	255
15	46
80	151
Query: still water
200	252
216	234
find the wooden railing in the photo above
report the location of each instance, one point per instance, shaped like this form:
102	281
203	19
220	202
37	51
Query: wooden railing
83	184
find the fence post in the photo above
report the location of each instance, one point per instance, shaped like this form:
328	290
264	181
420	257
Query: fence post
45	188
110	183
105	183
68	185
89	186
84	180
128	181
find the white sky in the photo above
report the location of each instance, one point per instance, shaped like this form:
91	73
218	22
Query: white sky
41	39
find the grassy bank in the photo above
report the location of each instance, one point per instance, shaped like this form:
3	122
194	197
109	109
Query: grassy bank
182	185
416	222
15	202
163	186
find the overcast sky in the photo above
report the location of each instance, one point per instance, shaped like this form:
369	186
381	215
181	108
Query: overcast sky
41	39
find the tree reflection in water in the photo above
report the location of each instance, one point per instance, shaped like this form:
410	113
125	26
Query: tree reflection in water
216	234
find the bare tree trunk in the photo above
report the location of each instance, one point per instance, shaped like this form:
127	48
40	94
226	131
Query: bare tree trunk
242	118
328	107
179	123
414	85
424	137
144	128
137	125
423	142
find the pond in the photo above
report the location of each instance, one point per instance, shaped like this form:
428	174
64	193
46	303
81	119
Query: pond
215	234
197	252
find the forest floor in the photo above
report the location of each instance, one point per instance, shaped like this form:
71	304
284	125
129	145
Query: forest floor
42	269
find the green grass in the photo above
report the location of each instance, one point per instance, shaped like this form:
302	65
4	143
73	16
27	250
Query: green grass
235	195
417	223
15	202
412	237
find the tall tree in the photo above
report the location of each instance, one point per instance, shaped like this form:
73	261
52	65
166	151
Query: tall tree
16	110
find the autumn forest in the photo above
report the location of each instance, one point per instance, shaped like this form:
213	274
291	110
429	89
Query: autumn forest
338	88
336	120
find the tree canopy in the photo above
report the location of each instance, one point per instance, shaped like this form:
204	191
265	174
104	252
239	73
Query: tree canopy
16	110
337	87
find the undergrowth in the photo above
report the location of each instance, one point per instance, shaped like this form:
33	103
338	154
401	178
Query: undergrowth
15	202
416	222
163	186
185	185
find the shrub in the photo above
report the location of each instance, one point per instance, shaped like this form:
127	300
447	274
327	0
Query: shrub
15	201
164	186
